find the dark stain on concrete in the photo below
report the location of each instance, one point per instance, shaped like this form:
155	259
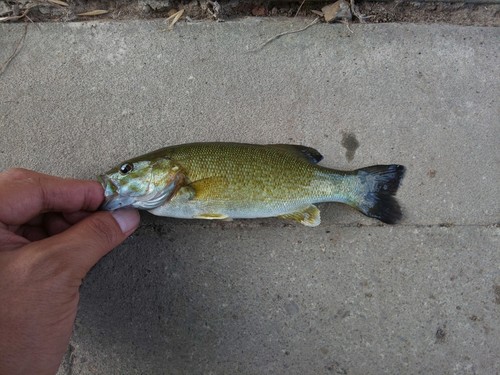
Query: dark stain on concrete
335	368
342	314
441	335
351	144
292	308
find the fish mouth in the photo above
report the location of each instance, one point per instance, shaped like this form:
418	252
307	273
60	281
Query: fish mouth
114	202
112	199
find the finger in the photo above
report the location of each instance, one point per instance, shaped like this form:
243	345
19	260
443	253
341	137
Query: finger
36	221
31	233
82	245
55	223
43	226
75	217
11	241
25	194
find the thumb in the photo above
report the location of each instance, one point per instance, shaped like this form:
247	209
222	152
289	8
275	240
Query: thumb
86	242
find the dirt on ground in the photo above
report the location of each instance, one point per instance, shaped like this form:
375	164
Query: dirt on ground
347	11
451	13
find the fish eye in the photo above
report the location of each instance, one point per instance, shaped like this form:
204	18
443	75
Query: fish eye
127	167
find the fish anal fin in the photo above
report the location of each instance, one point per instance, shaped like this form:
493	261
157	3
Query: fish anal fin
308	216
310	154
212	216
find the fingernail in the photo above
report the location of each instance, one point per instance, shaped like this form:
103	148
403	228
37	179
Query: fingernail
127	219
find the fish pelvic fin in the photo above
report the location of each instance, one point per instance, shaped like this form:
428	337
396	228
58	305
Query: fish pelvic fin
212	216
379	186
308	216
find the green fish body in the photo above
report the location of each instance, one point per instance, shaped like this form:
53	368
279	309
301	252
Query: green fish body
232	180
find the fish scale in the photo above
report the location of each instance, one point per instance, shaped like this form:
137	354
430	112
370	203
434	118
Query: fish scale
260	173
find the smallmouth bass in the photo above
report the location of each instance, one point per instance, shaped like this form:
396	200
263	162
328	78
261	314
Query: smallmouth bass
225	181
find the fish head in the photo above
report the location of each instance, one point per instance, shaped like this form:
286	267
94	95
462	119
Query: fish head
143	184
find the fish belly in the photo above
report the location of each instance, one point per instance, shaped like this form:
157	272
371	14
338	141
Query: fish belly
228	210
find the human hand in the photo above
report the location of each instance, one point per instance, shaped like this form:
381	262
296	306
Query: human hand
49	239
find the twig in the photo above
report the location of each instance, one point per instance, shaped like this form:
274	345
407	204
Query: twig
285	33
15	18
298	10
216	9
16	51
345	22
356	13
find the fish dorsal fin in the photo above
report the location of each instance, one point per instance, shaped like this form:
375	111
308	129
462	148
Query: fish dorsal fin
309	216
310	154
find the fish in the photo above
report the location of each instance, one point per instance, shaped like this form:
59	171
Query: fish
225	181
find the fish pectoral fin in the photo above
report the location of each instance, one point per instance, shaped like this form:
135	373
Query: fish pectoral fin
309	216
210	186
312	155
211	216
184	194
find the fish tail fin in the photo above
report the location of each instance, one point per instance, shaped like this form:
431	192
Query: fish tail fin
379	184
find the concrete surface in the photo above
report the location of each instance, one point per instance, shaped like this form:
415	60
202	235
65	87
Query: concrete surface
266	296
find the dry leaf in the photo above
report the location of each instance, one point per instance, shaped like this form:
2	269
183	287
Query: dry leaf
11	18
330	11
59	2
338	10
175	17
96	12
259	11
171	13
